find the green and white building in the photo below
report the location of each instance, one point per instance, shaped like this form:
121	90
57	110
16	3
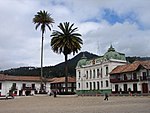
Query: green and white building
92	75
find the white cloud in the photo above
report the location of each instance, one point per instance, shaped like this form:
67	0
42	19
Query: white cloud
20	42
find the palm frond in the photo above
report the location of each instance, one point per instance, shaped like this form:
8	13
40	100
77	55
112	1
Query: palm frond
67	41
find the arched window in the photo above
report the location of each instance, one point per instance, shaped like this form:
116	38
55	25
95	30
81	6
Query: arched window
90	85
87	85
94	73
87	75
98	73
101	83
107	83
90	74
98	85
94	85
79	74
78	85
106	71
101	72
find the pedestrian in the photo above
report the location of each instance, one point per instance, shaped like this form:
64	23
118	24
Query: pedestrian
54	94
106	97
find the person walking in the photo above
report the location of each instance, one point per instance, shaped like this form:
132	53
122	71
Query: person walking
106	97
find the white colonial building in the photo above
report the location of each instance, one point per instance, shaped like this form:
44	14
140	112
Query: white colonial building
24	85
131	78
92	75
31	85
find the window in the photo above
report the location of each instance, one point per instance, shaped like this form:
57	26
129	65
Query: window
42	86
86	74
0	85
101	83
107	83
94	73
98	73
69	85
79	85
14	85
90	85
134	76
125	77
87	85
98	85
106	71
90	74
101	72
79	74
144	75
23	85
94	85
33	86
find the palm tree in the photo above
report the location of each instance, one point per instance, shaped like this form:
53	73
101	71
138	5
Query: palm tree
42	19
67	41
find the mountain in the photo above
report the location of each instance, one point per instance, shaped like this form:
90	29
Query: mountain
50	71
58	70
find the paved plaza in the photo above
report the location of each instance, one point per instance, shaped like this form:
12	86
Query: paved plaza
49	104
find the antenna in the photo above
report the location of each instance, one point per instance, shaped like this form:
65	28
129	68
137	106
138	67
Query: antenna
98	47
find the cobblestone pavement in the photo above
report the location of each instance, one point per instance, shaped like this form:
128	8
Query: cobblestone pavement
47	104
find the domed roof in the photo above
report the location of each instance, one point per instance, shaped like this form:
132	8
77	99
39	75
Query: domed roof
112	54
82	61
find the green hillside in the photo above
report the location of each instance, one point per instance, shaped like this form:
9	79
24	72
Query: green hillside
58	70
50	71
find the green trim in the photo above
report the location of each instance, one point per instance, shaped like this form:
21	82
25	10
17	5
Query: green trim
108	91
90	92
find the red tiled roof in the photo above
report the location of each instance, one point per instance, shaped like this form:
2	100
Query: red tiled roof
2	77
18	78
34	78
62	80
131	67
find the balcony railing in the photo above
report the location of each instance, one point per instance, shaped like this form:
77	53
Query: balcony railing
118	81
28	88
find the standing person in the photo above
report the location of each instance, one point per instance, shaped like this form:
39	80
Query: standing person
54	93
106	97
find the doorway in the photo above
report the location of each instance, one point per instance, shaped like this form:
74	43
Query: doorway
144	88
116	88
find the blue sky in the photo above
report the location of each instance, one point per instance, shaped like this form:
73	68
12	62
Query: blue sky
124	24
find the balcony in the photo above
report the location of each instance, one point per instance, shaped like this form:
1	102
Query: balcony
28	88
119	81
144	78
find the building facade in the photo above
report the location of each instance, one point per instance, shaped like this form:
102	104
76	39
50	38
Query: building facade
24	85
92	75
31	85
132	78
58	84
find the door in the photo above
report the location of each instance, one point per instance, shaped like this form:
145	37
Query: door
116	88
125	88
145	88
134	88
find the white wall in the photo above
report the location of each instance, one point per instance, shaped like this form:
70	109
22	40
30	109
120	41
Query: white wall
83	80
6	86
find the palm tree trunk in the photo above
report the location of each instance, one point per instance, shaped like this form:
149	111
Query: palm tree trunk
42	59
66	73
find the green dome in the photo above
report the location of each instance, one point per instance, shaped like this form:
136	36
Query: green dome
112	54
82	61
